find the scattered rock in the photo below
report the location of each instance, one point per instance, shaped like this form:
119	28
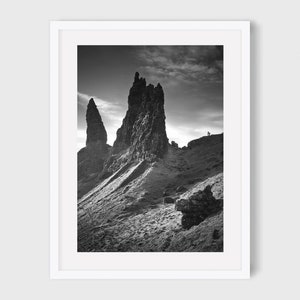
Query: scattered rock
168	191
197	207
169	200
189	219
181	189
165	193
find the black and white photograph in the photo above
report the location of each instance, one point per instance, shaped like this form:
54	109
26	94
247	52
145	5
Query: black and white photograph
150	148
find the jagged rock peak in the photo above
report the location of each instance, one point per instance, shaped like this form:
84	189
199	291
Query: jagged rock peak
136	77
139	85
90	159
95	129
143	128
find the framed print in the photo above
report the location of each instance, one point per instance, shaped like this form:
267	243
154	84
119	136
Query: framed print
150	143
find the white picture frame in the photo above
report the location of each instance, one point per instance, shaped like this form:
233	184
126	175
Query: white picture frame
234	35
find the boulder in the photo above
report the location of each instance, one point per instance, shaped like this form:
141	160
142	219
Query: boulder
189	220
181	189
168	200
197	207
166	193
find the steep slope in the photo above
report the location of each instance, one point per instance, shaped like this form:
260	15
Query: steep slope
128	210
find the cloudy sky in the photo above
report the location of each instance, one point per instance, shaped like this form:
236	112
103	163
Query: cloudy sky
191	76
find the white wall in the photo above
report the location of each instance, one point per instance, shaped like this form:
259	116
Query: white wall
24	67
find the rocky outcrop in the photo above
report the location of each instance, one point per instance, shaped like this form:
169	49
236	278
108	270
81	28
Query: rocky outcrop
143	130
174	144
95	129
91	158
181	189
168	200
198	207
206	141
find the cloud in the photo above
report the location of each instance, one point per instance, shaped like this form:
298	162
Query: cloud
187	64
182	135
192	79
107	108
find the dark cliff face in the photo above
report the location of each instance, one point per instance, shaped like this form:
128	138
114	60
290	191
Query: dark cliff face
95	129
143	128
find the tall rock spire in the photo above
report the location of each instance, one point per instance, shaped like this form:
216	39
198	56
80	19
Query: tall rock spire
143	128
91	158
95	129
